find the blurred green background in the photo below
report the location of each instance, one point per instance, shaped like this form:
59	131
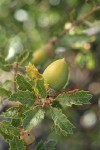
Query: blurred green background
26	25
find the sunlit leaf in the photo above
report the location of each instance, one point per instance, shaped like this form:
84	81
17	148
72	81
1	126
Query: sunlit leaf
49	145
40	88
17	144
61	123
32	118
76	98
23	83
4	92
24	97
7	130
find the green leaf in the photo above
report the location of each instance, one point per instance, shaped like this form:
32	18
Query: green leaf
13	115
2	61
10	114
23	84
24	97
4	92
41	146
56	104
50	145
4	65
77	98
16	122
32	118
7	85
16	144
40	88
13	109
7	130
24	57
61	123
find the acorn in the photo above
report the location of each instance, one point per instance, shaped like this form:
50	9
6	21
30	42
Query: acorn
40	56
56	74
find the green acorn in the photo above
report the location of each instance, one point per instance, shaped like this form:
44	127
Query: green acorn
56	74
40	56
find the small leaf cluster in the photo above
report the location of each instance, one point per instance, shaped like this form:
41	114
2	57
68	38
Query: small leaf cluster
32	104
22	58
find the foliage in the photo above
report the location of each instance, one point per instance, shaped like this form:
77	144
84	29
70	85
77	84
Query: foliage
48	145
25	26
29	113
67	28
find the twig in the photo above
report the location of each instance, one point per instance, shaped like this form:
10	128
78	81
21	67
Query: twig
77	22
15	70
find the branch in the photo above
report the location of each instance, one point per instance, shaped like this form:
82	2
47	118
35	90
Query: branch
77	22
15	70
